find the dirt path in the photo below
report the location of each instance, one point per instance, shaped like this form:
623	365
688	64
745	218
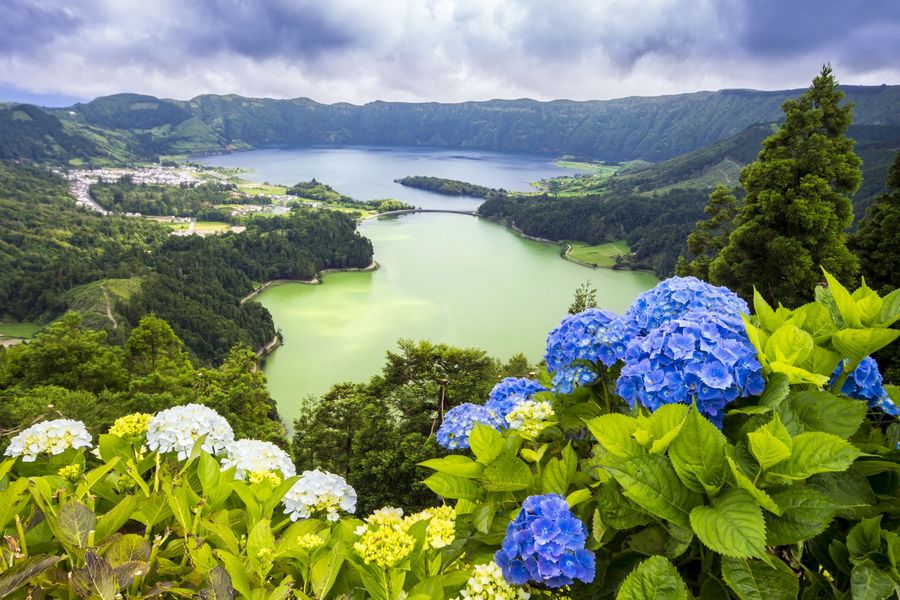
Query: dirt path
109	313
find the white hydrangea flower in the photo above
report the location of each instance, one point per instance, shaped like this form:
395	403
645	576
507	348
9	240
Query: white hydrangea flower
487	583
177	429
52	437
529	417
319	492
256	456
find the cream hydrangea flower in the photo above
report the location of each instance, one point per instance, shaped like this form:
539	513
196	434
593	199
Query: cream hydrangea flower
442	527
487	583
383	539
177	429
530	417
50	437
256	457
318	492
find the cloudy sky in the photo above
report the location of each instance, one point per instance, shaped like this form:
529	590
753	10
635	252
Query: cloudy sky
57	51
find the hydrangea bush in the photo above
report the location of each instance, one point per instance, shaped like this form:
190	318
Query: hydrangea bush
688	449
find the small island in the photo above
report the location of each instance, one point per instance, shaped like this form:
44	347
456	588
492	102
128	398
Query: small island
450	187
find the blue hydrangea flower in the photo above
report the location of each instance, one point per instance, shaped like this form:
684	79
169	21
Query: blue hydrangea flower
677	295
700	356
581	341
459	421
865	383
545	545
507	394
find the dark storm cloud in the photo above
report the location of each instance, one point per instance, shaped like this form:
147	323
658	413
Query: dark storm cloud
262	30
779	29
26	25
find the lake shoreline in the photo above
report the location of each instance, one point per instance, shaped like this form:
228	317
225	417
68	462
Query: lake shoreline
317	280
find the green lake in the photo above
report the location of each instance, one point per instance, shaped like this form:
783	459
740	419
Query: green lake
450	279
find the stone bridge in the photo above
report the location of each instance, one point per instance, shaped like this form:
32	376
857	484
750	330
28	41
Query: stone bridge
408	211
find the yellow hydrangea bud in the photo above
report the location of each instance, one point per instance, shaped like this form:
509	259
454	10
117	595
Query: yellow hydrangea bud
70	472
384	545
131	427
309	542
442	527
259	476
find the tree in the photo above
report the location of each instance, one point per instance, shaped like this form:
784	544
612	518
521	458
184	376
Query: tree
797	207
585	297
711	235
875	242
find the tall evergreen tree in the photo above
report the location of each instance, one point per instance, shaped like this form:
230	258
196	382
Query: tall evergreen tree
797	207
711	235
875	242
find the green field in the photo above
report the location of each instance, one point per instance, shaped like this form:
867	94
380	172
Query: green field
603	255
18	330
211	226
90	299
256	189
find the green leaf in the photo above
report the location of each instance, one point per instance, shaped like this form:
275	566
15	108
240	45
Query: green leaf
127	548
823	411
890	309
777	388
789	344
650	482
558	473
76	521
614	433
798	375
743	482
507	474
486	443
614	510
865	538
24	570
455	464
857	344
816	320
804	513
236	571
764	312
665	425
181	504
845	303
732	526
653	579
850	491
759	580
453	486
821	361
868	582
698	454
767	449
153	510
220	587
815	452
113	520
325	570
483	515
96	579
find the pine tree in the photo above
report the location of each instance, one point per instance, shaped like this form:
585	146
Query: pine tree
711	235
875	242
797	207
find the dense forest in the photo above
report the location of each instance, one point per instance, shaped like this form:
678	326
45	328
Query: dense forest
449	187
48	247
198	201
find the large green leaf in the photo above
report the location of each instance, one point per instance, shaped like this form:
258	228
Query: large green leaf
845	303
614	510
856	344
113	519
868	582
890	309
823	411
740	480
653	579
455	464
777	388
507	474
850	491
759	580
558	473
453	486
96	580
698	454
325	571
486	443
665	425
789	344
804	514
732	526
814	452
237	571
614	433
127	548
766	448
24	570
650	482
219	587
76	521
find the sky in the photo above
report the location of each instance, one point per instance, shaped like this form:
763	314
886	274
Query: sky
56	52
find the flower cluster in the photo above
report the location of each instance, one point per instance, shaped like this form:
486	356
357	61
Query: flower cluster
51	437
676	296
865	383
255	457
177	429
131	427
441	528
509	392
317	492
383	539
309	542
582	340
699	356
545	544
530	417
70	472
487	583
459	422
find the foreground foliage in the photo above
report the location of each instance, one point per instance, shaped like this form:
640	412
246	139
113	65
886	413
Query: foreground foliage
561	487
